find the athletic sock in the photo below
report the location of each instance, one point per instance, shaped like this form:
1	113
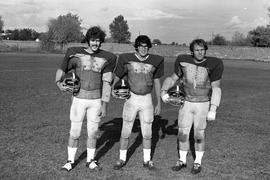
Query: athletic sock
183	156
123	155
90	154
71	153
199	155
146	155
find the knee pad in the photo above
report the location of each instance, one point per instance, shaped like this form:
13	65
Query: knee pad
75	130
93	135
125	134
199	135
146	130
183	134
93	132
147	135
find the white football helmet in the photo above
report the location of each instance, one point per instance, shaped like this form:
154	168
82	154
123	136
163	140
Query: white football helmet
121	91
176	96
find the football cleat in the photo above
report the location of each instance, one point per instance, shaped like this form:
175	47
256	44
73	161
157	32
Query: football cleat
196	168
179	165
176	96
121	91
93	165
72	82
119	164
149	165
68	166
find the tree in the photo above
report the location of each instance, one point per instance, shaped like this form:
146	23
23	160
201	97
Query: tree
219	40
1	24
64	29
14	34
28	34
238	39
260	37
119	30
21	34
156	42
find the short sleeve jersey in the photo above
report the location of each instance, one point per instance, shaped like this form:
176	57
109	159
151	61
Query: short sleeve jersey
89	67
197	77
140	73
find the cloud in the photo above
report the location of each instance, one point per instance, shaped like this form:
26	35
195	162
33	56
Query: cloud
236	23
260	22
151	14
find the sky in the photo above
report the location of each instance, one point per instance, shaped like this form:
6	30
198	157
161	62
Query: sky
178	21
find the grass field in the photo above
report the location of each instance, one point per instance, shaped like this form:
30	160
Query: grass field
34	118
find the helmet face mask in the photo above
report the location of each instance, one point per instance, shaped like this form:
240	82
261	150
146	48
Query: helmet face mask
72	82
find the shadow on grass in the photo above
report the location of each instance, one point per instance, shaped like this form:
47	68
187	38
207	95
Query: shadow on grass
159	125
173	130
110	133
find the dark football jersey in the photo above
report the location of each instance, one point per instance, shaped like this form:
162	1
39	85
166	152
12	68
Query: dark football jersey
197	76
140	73
89	68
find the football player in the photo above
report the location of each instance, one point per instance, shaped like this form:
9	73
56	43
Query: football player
143	72
94	68
201	76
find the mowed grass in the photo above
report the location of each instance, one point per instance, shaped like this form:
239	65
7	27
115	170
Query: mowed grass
35	124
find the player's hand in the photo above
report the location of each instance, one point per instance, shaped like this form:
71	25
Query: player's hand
61	86
211	116
157	109
165	97
103	110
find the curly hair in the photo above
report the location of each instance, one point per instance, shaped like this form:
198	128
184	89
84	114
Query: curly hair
199	42
142	39
95	32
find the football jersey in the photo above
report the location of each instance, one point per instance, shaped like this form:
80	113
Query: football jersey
89	68
197	76
140	73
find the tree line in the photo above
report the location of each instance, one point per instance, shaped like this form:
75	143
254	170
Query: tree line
67	28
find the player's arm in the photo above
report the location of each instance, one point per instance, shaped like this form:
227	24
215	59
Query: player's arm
168	83
106	92
215	99
65	67
157	90
115	80
58	77
106	87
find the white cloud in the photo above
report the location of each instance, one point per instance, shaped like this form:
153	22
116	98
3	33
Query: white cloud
151	14
236	23
261	21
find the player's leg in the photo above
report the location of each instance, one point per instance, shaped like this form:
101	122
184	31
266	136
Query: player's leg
199	134
93	120
185	121
129	115
77	113
146	119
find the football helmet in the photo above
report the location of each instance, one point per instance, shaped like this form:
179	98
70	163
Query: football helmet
121	91
176	96
72	82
